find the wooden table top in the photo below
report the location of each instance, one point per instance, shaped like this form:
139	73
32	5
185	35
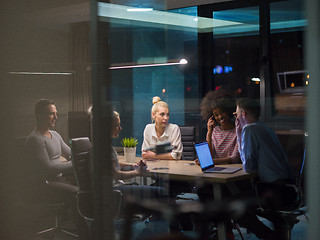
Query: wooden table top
188	171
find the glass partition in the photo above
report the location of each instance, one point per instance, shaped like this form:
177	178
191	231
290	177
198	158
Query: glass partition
150	53
289	76
236	51
116	56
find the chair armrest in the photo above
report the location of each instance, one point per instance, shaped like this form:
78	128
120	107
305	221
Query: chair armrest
278	196
84	205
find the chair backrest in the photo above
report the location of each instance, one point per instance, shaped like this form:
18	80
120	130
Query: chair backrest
80	152
188	138
293	192
304	157
78	124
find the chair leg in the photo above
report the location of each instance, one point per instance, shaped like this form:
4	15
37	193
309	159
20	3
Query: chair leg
237	227
56	229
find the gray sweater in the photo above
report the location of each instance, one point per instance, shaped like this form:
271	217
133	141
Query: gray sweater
43	155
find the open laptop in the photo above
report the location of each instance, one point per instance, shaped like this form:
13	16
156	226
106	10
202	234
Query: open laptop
206	161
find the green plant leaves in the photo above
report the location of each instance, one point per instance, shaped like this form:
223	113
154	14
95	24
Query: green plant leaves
129	142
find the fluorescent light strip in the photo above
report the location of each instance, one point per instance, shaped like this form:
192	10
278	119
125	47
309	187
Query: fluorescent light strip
41	73
181	62
139	9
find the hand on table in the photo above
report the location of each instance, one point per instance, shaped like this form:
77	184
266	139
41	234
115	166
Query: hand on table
141	166
197	162
148	155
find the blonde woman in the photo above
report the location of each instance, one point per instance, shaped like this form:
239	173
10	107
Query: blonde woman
161	131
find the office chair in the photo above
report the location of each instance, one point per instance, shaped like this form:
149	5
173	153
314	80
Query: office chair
80	155
32	193
188	138
287	211
80	151
58	209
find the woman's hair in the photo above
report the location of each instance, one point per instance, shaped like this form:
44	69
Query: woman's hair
156	104
41	106
252	106
115	115
220	98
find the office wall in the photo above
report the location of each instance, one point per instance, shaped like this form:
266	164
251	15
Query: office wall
27	46
30	47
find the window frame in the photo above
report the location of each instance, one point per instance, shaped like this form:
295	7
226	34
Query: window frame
266	93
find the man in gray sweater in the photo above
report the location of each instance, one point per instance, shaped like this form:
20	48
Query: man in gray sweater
49	172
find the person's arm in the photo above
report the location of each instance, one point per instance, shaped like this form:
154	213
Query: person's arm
65	150
38	154
238	131
248	150
153	155
210	125
176	143
128	166
122	175
147	154
164	156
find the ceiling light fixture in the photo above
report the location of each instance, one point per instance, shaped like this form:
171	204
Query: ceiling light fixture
139	9
181	62
41	73
255	79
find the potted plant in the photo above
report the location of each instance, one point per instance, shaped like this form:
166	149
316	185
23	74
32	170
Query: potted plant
129	148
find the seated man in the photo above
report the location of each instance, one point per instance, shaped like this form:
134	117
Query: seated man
261	152
50	153
49	159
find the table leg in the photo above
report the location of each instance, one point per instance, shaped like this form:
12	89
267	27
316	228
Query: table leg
217	191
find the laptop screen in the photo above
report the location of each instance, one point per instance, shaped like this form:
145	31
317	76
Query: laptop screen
204	154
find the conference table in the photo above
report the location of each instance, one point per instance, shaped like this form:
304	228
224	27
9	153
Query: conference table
185	170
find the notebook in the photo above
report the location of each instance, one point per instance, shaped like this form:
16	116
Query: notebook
206	161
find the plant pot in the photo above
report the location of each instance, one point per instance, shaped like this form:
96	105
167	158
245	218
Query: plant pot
130	154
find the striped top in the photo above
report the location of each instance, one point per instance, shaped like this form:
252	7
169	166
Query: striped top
224	143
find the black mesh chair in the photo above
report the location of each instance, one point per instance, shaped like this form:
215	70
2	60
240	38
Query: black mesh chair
39	195
286	209
188	138
58	209
80	152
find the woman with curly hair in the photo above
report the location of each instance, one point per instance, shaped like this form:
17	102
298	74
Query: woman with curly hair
217	109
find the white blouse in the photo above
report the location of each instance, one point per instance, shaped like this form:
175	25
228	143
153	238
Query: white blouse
171	134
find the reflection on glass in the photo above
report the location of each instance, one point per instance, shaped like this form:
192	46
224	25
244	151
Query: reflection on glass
236	52
288	74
